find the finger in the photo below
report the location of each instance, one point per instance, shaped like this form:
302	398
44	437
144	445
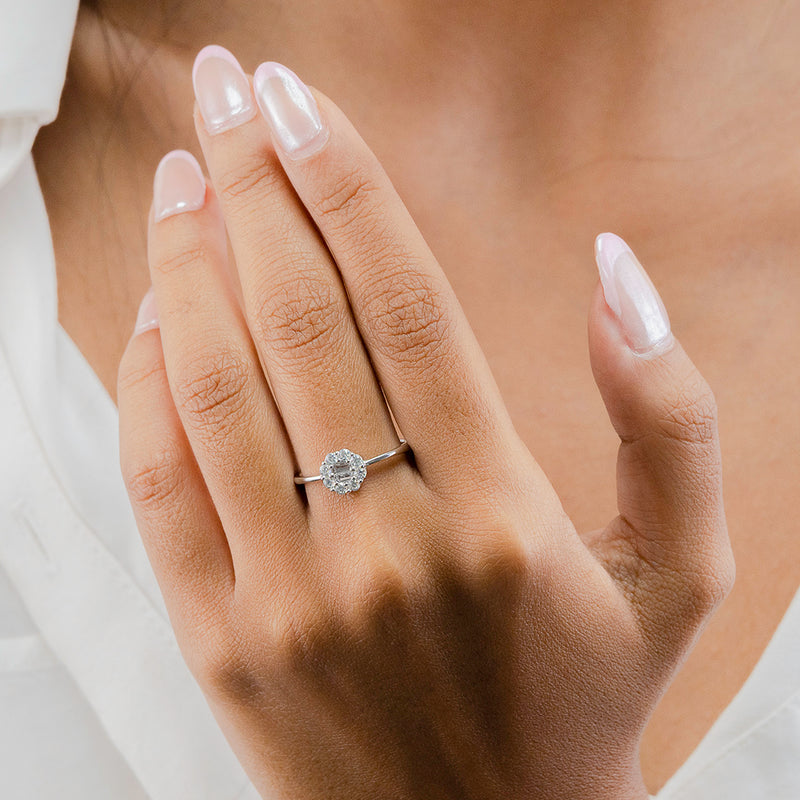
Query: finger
175	515
296	306
669	477
436	379
219	387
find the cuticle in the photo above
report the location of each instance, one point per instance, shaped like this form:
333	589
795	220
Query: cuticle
660	348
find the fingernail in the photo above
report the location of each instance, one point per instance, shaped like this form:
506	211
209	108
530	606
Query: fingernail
222	90
179	185
147	318
630	294
290	110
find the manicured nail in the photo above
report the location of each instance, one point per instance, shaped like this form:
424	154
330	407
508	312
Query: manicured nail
290	109
630	294
222	90
147	319
179	185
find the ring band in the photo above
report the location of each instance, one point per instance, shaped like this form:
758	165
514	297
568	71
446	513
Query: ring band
344	471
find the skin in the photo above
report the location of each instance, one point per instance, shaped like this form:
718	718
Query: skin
469	644
535	181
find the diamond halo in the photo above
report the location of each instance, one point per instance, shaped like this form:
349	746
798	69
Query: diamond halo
343	471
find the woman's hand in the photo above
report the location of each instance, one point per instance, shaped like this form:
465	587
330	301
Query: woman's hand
443	632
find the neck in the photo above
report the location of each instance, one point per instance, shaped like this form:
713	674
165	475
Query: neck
575	79
563	109
508	122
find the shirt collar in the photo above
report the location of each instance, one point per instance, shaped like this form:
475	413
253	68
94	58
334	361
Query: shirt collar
35	40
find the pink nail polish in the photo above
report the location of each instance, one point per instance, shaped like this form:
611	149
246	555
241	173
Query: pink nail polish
147	318
222	90
290	109
179	185
630	294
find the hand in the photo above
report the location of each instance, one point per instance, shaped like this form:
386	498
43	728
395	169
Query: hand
443	632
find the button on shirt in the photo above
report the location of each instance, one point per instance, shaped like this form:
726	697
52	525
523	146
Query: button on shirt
95	699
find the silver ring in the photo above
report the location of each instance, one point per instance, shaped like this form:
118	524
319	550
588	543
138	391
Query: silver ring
344	471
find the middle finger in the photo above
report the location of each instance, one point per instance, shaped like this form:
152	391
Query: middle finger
296	305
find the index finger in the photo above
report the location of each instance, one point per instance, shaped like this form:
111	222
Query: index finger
435	377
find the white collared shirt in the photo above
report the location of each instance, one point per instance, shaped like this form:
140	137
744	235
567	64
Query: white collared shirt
95	700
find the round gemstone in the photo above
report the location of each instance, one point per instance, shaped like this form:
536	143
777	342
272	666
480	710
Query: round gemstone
343	471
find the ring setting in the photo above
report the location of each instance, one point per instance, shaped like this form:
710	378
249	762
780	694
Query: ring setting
343	471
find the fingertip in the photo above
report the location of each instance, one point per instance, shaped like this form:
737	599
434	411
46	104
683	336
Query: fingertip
291	111
179	185
213	51
147	317
631	295
606	341
633	385
607	246
222	90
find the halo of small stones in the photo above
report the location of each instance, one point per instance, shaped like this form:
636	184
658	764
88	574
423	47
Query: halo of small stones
343	471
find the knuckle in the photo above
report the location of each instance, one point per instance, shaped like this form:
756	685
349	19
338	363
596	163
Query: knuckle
222	667
377	595
689	597
256	173
214	390
135	378
348	199
726	572
692	418
301	318
156	483
406	316
302	644
507	561
185	258
314	636
709	588
495	557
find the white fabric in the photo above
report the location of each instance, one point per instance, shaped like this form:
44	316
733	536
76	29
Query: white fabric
95	700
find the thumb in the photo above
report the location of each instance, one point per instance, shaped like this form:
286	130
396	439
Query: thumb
669	545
